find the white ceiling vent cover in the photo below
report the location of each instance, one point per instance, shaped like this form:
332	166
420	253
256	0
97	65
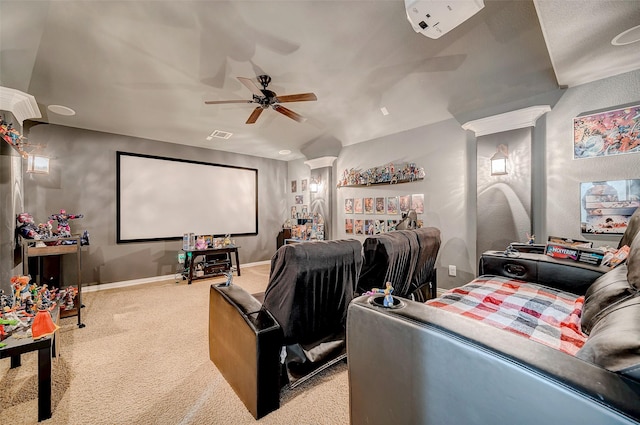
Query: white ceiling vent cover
434	18
221	134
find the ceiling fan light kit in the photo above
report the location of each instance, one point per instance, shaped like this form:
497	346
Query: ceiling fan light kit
265	98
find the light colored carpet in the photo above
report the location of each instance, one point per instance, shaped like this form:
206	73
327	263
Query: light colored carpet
143	359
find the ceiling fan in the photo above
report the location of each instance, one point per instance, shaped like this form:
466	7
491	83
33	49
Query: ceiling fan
266	98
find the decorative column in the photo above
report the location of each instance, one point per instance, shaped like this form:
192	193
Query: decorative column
504	177
321	190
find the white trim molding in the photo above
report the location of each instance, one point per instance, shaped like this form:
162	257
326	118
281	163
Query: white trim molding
22	105
512	120
324	161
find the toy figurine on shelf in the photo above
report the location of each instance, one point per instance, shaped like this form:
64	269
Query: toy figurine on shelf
531	239
64	230
201	243
26	226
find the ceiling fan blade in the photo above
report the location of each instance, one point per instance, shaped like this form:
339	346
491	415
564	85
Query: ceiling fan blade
300	97
254	115
289	113
248	83
219	102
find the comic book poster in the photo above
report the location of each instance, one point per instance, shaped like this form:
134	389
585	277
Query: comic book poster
417	203
348	205
607	133
348	226
368	205
358	227
405	203
358	206
391	225
380	206
392	205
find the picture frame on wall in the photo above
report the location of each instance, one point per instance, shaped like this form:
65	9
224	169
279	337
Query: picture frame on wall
305	211
405	203
299	199
348	205
392	205
303	185
380	226
417	203
348	226
369	227
294	186
358	227
368	205
607	133
380	205
358	207
391	225
294	213
607	206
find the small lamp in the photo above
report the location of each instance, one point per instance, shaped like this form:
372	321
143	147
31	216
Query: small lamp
37	164
499	161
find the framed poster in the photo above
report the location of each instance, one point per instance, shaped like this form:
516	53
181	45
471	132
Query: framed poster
294	186
358	227
380	206
391	225
607	133
606	206
417	203
299	199
303	185
380	226
392	205
368	205
348	205
358	206
348	226
405	203
369	227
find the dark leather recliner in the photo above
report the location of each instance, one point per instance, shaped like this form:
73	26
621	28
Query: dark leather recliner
406	258
298	330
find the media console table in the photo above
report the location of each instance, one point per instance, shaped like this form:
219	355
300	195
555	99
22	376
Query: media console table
191	255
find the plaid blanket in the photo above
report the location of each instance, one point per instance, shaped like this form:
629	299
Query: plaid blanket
541	314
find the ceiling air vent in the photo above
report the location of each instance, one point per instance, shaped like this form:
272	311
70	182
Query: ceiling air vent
220	134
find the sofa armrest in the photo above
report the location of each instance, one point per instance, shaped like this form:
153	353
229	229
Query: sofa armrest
565	275
244	344
420	364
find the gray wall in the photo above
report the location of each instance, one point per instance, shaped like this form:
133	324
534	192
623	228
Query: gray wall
504	202
442	149
83	181
564	173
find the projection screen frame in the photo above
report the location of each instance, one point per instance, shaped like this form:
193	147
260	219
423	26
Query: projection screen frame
119	228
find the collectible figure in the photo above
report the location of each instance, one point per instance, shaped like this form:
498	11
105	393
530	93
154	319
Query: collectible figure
64	230
26	226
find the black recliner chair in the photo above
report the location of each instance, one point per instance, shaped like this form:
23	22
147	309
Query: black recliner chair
297	331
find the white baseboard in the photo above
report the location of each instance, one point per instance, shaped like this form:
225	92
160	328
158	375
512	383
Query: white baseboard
153	279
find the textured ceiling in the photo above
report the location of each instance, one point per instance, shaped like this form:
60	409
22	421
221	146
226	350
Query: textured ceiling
145	68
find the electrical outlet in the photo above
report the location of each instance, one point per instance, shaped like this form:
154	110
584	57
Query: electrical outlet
452	270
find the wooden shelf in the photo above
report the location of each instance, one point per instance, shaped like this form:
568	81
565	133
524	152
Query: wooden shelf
29	249
382	183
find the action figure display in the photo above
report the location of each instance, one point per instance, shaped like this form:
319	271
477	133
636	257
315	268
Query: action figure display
64	230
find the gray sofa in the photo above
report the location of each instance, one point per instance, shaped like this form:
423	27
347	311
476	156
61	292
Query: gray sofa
419	364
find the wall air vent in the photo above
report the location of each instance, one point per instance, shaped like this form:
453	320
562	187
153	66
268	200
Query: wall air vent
434	18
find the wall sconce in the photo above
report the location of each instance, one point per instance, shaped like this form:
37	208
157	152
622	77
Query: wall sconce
314	186
37	164
499	161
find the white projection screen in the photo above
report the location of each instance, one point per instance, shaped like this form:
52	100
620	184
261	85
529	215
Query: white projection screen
164	198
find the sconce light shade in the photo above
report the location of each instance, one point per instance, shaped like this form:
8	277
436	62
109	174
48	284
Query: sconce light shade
37	164
313	186
499	161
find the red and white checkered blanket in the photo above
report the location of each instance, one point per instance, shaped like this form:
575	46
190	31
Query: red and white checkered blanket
541	314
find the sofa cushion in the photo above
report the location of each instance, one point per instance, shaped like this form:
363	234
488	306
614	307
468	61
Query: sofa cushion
614	341
607	290
633	263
